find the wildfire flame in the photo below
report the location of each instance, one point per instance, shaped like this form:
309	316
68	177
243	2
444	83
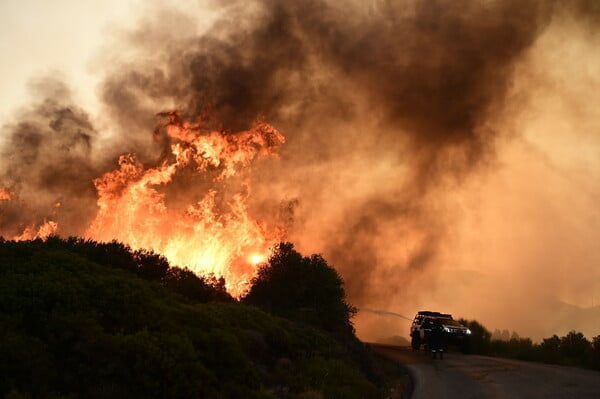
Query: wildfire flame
191	207
213	234
41	230
45	230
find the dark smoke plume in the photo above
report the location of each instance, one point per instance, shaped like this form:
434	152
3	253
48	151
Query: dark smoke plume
423	77
427	75
47	163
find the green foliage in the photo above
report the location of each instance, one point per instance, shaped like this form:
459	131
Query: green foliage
572	349
79	319
198	289
333	377
147	265
301	288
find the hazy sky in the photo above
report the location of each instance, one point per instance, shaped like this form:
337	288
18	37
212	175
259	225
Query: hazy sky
445	170
50	37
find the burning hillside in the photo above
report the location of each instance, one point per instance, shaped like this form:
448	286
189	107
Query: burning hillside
429	145
191	206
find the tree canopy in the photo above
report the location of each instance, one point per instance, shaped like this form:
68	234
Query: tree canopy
302	288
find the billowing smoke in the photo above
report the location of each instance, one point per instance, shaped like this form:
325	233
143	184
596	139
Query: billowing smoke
47	164
394	114
408	84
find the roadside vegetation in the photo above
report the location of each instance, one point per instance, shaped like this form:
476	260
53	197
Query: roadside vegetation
573	349
82	319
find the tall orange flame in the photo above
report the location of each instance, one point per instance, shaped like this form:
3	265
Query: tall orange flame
212	234
191	207
45	230
35	230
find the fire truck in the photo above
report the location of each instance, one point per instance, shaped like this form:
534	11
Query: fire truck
454	332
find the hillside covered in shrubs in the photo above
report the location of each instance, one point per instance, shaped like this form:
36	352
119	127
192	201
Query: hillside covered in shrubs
81	319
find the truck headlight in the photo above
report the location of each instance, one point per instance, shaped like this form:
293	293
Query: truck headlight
446	329
468	332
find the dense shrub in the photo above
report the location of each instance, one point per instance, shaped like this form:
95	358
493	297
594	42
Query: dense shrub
147	265
198	289
301	288
572	349
73	327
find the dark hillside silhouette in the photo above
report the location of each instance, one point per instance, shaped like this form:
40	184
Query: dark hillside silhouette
147	265
80	319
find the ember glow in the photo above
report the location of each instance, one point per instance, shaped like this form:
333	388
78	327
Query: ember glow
5	195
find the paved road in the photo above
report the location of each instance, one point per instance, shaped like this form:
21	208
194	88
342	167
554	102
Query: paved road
470	376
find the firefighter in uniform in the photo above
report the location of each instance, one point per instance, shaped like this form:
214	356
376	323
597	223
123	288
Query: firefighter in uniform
436	339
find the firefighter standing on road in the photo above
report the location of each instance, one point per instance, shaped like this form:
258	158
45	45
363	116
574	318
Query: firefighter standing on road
436	339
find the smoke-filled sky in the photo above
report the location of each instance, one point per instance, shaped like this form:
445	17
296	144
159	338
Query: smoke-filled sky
442	155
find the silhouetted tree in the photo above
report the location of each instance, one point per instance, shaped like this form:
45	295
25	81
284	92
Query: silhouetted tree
594	354
574	348
150	266
196	288
301	288
549	349
145	264
521	348
479	340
